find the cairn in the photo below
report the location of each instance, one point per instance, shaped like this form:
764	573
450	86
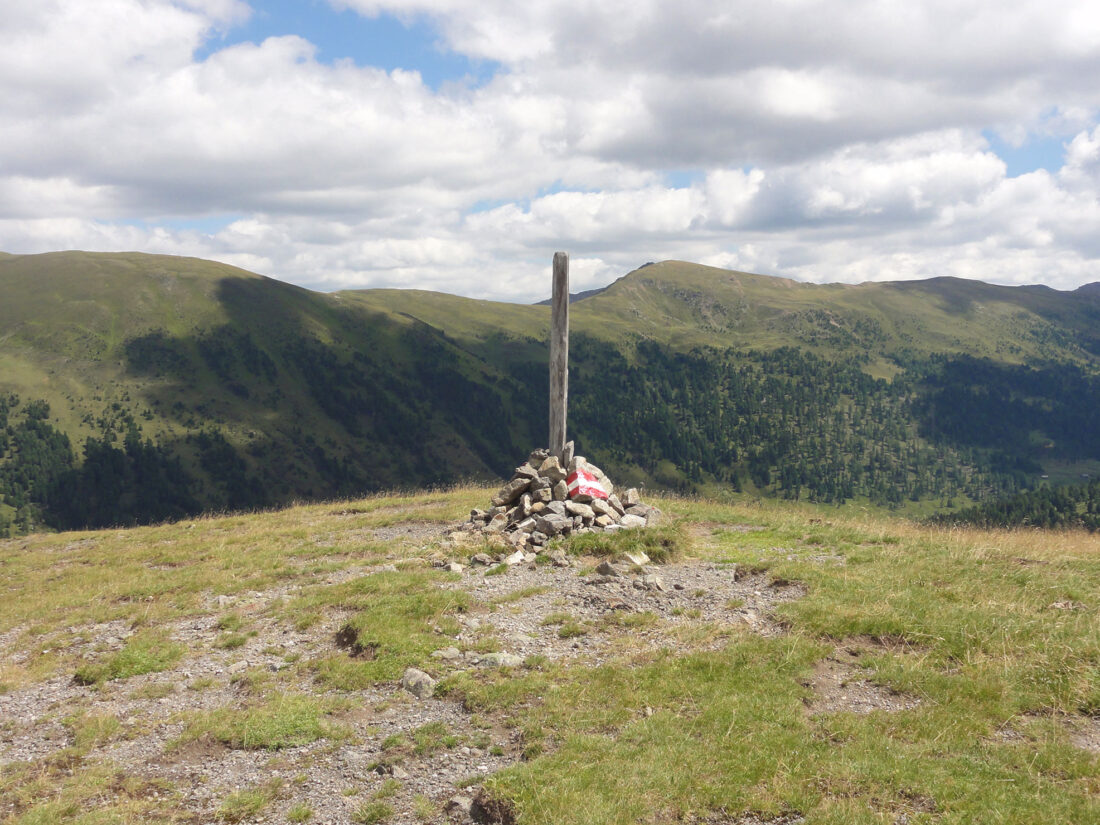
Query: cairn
551	496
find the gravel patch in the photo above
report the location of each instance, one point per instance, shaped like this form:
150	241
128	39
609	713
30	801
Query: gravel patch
688	605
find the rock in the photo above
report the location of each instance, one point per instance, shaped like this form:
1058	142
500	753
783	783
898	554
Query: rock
454	567
539	538
529	557
525	502
418	683
447	654
525	471
639	558
238	667
482	559
511	491
458	806
628	522
604	521
537	457
575	508
515	558
631	497
642	510
561	491
616	505
543	496
558	558
397	772
556	507
602	507
552	470
606	568
552	524
479	515
541	483
654	582
500	659
497	523
567	454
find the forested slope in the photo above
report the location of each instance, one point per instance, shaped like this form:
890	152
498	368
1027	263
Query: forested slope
138	388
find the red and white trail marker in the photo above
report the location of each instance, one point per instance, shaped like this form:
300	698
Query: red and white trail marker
584	486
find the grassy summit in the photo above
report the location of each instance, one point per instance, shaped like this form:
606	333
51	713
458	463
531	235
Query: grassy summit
801	665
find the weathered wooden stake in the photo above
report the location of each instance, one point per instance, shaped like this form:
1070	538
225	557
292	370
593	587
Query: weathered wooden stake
559	353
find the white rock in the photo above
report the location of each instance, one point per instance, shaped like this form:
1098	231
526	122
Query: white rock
418	683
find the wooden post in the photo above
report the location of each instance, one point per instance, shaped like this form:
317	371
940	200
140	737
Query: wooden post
559	353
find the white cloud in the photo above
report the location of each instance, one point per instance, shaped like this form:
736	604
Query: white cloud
820	145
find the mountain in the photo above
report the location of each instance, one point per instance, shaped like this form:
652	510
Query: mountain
135	387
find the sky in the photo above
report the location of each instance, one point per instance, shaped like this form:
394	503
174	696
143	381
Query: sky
455	145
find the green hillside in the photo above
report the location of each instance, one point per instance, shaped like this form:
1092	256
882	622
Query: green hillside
141	387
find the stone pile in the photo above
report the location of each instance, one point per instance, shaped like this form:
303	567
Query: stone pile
551	496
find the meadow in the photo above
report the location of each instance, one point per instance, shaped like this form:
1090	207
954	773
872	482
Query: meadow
797	664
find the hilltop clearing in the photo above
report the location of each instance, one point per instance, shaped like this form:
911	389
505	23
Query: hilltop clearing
775	666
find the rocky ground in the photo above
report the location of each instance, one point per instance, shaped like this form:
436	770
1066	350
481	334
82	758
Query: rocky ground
561	613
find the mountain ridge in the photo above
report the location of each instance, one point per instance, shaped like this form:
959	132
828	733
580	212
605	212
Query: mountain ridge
267	392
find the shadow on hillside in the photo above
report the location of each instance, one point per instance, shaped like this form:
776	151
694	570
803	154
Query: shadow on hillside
300	396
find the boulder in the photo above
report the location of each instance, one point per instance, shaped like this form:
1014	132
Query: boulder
567	454
511	491
575	508
630	497
553	524
525	471
552	470
557	508
418	683
629	522
607	568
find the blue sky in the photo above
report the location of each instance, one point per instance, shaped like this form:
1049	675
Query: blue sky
383	40
874	145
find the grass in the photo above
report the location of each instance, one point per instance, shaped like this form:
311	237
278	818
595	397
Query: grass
662	544
282	721
299	812
987	631
372	812
248	802
147	652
